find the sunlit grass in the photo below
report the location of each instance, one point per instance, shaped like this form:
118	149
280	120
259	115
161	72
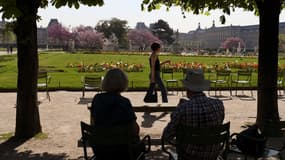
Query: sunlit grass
6	136
69	78
41	136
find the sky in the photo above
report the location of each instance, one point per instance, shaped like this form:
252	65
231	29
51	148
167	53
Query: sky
130	10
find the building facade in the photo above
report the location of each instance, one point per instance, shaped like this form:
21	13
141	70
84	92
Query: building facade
8	38
212	38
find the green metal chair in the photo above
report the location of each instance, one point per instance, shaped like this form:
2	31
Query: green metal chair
243	79
43	81
199	136
171	84
221	81
91	82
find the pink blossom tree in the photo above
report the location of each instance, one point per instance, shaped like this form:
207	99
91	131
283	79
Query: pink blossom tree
87	37
59	35
232	42
142	38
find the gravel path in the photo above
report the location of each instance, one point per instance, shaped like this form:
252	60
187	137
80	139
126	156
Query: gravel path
61	116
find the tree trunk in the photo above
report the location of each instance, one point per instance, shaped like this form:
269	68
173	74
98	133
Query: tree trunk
27	115
267	106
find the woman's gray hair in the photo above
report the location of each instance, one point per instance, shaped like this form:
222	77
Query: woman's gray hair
115	80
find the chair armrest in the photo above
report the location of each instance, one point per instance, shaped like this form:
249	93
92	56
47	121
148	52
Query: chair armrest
148	140
170	154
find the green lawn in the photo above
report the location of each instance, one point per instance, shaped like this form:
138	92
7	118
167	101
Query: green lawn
70	78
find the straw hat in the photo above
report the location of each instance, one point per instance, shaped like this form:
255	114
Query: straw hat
194	81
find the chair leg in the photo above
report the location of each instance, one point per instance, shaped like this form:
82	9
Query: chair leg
229	88
48	96
47	93
251	93
236	89
83	92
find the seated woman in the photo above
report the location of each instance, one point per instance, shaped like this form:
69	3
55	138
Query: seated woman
111	109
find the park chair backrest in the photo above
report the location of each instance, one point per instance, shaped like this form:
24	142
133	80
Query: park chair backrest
43	77
204	136
244	75
91	82
42	74
223	75
94	81
165	71
117	135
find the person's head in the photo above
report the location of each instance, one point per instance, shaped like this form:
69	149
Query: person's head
115	81
155	46
194	81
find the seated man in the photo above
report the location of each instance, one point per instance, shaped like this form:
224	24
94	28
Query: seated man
197	111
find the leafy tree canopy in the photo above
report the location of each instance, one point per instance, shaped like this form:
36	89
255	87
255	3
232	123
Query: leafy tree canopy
9	9
163	31
114	26
202	6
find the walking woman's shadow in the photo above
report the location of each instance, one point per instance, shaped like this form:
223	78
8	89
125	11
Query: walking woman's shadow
149	119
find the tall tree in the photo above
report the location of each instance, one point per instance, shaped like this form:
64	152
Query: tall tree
114	26
162	30
25	12
268	10
282	42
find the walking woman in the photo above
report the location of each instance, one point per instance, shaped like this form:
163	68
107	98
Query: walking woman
155	71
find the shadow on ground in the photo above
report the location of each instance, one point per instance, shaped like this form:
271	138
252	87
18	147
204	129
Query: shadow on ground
157	155
85	100
8	151
149	119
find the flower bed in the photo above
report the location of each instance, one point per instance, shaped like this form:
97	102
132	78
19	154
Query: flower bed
106	66
178	67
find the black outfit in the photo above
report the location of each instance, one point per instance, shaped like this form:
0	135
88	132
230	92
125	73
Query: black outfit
158	80
111	109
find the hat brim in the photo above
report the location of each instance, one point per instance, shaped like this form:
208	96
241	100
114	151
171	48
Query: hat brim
197	87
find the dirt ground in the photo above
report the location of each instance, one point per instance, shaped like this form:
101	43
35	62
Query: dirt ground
60	120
